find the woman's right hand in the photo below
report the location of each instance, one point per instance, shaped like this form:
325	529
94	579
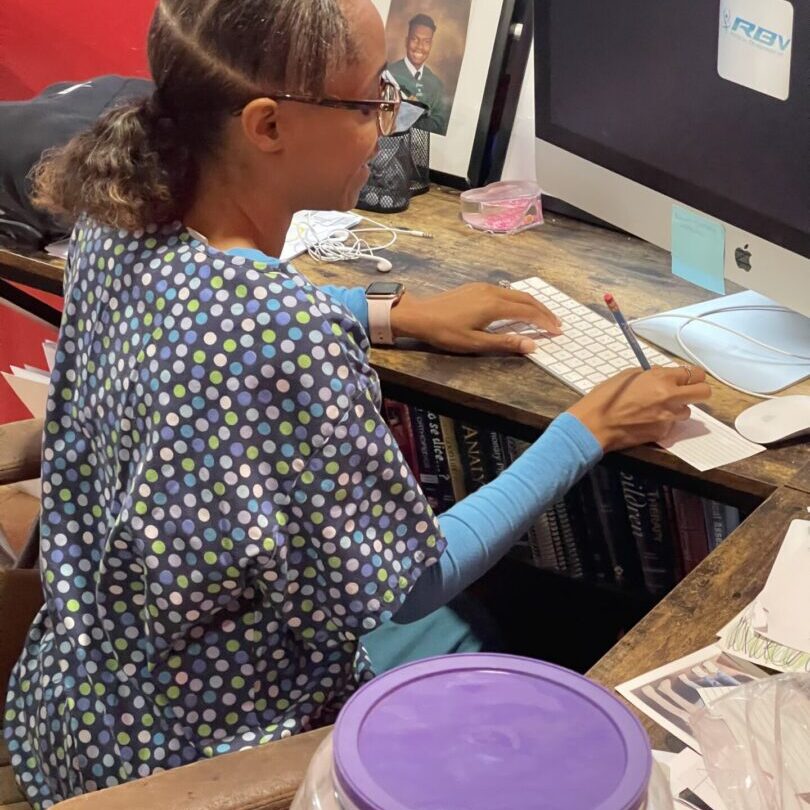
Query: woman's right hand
636	407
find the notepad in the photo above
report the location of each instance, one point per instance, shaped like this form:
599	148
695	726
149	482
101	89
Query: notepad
706	443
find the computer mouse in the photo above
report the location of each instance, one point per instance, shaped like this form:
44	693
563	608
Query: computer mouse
775	419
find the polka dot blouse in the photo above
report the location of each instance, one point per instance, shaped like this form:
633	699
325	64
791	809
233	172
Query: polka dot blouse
224	513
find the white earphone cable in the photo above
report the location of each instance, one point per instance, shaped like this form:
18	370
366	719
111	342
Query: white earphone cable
343	244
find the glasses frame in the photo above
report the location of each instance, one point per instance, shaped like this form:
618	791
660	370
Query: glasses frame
380	105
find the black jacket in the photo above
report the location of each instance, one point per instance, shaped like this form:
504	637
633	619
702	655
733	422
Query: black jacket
27	128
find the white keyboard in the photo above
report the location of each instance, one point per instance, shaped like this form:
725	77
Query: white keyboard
591	348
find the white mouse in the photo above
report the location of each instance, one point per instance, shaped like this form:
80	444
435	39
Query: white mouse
775	419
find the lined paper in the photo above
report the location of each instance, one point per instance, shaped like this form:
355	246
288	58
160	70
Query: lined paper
706	443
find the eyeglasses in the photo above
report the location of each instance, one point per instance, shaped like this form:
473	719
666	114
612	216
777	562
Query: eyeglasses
386	106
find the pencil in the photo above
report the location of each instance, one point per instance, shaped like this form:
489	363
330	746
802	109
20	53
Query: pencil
626	330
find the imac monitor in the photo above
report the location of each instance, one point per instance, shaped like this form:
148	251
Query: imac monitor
702	103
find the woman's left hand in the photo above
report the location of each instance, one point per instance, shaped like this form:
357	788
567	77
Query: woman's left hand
455	320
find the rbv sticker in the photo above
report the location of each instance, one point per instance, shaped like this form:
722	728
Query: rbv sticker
755	45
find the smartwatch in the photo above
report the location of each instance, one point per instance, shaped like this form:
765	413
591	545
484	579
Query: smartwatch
382	296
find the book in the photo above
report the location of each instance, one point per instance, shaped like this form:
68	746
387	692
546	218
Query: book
615	527
444	484
398	419
692	536
646	514
454	461
469	445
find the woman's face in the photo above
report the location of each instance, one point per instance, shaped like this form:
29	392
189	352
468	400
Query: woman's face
327	150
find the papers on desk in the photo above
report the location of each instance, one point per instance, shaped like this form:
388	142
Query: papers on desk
687	772
31	384
31	387
774	630
782	610
58	249
672	692
706	443
755	724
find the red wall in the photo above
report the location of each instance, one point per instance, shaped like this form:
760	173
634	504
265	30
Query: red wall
42	42
45	41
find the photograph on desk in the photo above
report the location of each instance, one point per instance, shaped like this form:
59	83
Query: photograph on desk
672	692
449	54
426	43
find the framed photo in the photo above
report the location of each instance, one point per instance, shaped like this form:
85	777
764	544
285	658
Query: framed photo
449	54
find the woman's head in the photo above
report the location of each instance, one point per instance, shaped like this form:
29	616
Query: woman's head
220	68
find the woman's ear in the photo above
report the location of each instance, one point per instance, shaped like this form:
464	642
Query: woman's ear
260	124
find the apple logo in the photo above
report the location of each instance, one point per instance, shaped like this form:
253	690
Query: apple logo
743	258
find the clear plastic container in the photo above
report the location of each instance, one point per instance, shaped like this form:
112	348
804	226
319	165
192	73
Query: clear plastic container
479	732
503	207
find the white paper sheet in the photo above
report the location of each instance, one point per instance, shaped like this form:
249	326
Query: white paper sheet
33	393
688	772
782	609
706	443
49	349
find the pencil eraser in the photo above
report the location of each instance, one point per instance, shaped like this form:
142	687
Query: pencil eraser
608	298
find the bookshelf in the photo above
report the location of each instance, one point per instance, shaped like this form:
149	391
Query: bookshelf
597	561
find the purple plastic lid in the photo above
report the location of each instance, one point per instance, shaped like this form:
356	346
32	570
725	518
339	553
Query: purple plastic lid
464	732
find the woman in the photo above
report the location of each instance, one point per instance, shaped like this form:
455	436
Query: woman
224	510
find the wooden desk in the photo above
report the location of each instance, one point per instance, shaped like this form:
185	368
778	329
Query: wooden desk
513	394
689	617
801	480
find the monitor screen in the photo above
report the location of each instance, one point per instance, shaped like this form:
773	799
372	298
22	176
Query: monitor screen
633	86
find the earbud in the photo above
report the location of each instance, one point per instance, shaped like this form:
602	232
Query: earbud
384	266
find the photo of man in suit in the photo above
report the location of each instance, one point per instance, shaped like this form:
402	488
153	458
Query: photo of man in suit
416	80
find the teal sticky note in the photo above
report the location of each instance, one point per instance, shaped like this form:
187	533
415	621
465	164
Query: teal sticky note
698	249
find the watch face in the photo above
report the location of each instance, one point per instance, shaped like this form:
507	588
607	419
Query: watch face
384	288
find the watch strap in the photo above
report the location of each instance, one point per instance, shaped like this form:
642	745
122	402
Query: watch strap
379	321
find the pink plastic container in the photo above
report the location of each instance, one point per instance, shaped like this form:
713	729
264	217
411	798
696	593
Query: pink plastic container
503	207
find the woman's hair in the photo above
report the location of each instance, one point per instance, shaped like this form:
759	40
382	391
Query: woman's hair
139	163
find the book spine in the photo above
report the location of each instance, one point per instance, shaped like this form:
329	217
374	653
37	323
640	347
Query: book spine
671	528
542	544
398	418
444	485
469	445
614	523
595	554
428	477
692	537
720	520
454	462
646	518
714	522
573	560
557	541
